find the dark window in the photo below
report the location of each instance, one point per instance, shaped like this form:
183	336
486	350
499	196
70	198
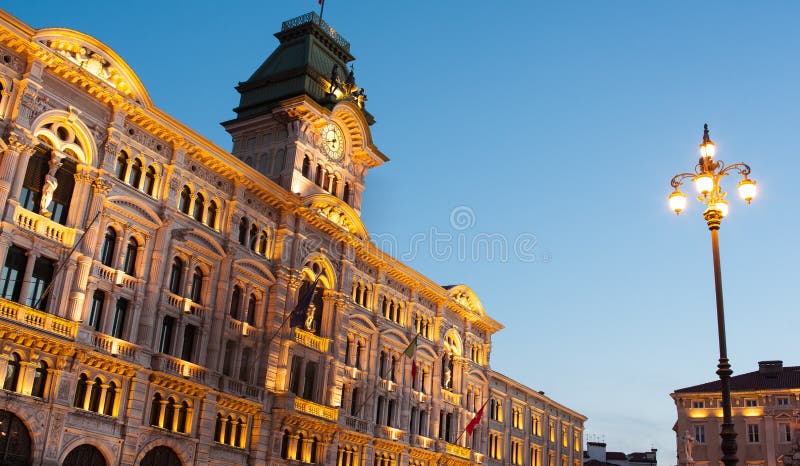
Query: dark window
390	413
96	311
107	251
334	185
39	380
13	271
176	276
354	403
94	398
236	302
318	176
111	395
253	237
306	167
243	231
122	165
84	455
118	325
196	294
186	200
346	193
189	337
169	413
135	176
12	374
251	310
15	441
227	365
294	375
40	280
149	181
167	327
155	409
131	251
212	214
184	411
309	384
31	195
199	206
244	366
218	429
80	391
161	456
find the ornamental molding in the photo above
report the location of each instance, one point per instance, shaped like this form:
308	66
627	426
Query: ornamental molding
337	212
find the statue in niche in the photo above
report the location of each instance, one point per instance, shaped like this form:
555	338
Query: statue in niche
50	185
688	444
310	317
447	373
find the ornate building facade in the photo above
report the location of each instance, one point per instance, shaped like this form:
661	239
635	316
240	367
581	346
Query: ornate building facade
148	276
766	416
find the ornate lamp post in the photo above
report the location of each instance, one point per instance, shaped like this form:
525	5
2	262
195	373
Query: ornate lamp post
706	177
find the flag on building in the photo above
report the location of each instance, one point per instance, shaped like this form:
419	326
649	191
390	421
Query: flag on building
475	420
411	348
298	315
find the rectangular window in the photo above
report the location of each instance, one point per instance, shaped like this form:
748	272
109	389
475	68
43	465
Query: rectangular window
576	441
536	425
552	429
783	401
752	433
700	434
698	404
536	456
167	327
96	311
516	452
189	336
784	432
40	280
13	270
118	325
564	438
750	402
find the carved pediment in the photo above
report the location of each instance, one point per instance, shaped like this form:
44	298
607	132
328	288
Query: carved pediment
338	213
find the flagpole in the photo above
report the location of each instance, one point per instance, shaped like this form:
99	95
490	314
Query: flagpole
321	9
476	413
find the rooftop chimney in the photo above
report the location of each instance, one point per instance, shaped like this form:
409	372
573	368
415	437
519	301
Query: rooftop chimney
770	368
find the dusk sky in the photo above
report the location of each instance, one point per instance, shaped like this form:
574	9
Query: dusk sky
554	129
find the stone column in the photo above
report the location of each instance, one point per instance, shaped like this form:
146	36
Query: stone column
22	145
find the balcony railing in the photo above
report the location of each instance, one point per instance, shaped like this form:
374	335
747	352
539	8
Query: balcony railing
239	388
114	346
30	317
173	365
238	327
457	450
314	409
358	425
314	18
117	277
310	340
422	441
450	397
43	226
388	385
390	433
185	305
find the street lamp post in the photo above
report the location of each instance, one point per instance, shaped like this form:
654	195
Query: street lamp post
706	178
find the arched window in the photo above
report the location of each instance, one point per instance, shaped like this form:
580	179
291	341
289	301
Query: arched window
218	428
176	276
12	374
186	200
244	366
83	455
211	221
39	380
354	407
298	453
318	178
182	416
253	237
129	265
306	167
264	241
313	458
251	310
236	302
334	185
94	398
346	192
327	182
229	430
197	286
241	432
149	181
107	251
285	444
111	395
161	456
135	176
80	391
169	413
155	410
199	207
122	165
243	231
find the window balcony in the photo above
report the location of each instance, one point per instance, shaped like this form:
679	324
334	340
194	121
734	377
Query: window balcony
184	305
457	450
15	312
43	226
314	409
390	433
358	425
117	277
172	365
238	327
310	340
421	441
241	389
450	397
114	346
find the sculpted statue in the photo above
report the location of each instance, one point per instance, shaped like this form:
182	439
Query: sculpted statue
50	185
688	444
310	317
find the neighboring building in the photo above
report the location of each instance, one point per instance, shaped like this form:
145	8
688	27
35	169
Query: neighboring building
148	276
596	455
766	415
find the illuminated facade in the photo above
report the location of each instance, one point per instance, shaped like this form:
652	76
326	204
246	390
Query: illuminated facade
148	275
766	415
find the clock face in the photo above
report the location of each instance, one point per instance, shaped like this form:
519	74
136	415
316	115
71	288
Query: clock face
333	142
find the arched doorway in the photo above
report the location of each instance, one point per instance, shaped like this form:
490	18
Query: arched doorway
85	455
15	441
161	456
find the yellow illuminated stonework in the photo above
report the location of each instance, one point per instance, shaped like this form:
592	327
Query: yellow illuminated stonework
149	277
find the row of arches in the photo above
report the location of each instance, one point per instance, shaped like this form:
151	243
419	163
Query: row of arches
255	238
14	381
326	179
132	172
171	414
205	211
97	395
108	252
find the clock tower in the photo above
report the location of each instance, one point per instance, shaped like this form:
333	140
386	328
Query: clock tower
302	119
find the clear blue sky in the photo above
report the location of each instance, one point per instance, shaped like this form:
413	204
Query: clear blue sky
562	121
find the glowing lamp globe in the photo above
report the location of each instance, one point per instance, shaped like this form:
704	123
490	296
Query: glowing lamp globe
677	202
722	207
747	189
704	183
708	149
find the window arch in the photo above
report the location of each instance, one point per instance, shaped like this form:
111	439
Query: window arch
135	176
80	391
131	252
218	428
306	166
40	380
263	242
107	250
211	221
176	276
185	200
161	456
243	225
111	397
94	396
122	165
83	455
169	413
149	181
155	410
199	207
12	374
251	310
183	416
254	237
334	185
236	301
346	192
318	178
196	294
